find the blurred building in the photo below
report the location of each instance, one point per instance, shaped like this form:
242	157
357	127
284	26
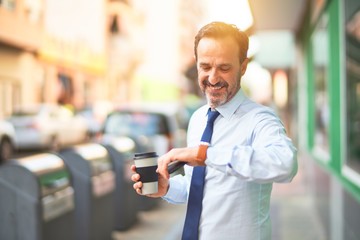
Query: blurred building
73	51
51	51
21	31
79	53
151	47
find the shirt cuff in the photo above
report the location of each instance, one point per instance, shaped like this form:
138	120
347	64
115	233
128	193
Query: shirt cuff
175	192
218	159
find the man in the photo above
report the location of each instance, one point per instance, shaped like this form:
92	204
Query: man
249	149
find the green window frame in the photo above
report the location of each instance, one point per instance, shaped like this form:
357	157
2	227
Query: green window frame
351	89
320	76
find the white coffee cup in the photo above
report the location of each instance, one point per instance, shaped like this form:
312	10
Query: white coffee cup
146	165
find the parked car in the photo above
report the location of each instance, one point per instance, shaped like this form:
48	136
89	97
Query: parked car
164	125
47	126
7	140
93	123
95	116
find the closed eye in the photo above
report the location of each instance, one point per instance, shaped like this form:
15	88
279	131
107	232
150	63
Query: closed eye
205	67
222	67
225	68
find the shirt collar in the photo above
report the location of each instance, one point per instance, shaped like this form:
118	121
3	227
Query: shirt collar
228	109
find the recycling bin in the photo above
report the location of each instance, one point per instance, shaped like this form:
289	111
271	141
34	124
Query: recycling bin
36	199
93	180
121	151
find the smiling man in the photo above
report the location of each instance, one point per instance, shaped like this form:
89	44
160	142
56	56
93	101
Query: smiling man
236	148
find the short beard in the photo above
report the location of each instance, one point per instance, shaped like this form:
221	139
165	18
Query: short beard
216	102
219	99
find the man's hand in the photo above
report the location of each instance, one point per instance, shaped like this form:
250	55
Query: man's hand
163	184
187	155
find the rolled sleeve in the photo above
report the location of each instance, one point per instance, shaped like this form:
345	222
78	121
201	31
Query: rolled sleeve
177	193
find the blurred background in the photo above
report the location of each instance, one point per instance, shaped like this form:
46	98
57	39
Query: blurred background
120	75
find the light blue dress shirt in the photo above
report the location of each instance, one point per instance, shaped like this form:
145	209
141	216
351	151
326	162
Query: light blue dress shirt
249	151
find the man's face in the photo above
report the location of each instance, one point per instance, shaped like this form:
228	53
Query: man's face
219	69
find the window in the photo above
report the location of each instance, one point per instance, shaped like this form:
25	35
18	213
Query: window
320	45
8	4
33	9
352	73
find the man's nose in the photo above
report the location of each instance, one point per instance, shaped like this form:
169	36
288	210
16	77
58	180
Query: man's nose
214	77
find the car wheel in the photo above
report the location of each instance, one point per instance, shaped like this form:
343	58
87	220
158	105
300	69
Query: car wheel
6	150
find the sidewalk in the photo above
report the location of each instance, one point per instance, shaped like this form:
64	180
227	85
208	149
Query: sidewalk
292	213
165	222
292	210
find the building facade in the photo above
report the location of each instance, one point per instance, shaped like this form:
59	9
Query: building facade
329	108
20	38
50	52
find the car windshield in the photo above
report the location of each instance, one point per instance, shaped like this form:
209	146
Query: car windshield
135	124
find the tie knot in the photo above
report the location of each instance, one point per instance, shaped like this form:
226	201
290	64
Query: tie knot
212	115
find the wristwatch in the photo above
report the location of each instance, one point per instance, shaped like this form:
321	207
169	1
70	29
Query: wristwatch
201	155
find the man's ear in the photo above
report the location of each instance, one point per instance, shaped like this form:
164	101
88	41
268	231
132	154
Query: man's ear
244	66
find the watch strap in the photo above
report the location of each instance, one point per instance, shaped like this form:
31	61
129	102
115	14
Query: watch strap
201	155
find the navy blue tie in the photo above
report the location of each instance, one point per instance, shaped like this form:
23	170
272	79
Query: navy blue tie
194	207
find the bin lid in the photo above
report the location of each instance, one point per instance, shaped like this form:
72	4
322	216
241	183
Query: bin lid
90	151
50	170
96	155
122	144
42	163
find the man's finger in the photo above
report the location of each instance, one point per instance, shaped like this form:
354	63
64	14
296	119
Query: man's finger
135	177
